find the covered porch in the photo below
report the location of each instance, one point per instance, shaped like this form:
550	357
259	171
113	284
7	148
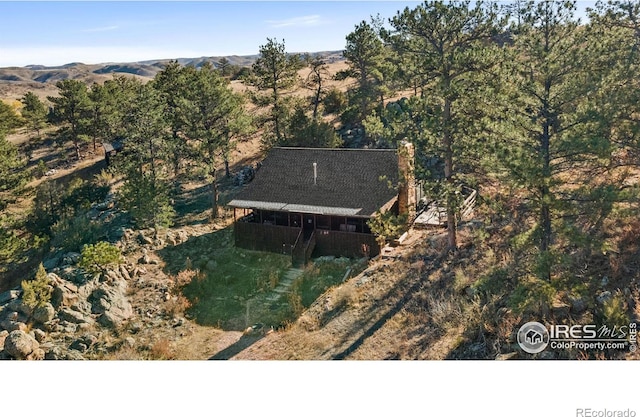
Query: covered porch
303	234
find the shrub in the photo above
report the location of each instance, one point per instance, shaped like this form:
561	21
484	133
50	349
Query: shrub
161	350
614	312
37	293
147	201
387	226
70	234
96	258
335	101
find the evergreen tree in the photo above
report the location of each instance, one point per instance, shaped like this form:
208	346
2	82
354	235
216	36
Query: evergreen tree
367	58
171	82
276	73
550	141
145	193
450	42
318	74
12	173
9	119
213	114
71	110
34	112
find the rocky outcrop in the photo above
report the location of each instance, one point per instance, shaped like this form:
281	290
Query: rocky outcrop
21	345
111	303
74	317
43	314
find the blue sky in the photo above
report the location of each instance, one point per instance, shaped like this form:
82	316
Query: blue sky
56	32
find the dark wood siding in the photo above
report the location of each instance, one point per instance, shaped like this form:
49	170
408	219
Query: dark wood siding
280	239
256	236
331	242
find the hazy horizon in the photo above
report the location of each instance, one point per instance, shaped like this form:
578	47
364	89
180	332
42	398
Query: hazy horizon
58	33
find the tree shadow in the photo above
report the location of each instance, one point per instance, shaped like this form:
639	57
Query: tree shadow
244	342
190	205
404	291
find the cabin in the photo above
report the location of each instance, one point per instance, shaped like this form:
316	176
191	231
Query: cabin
111	149
317	201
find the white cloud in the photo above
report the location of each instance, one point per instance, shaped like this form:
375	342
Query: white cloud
101	29
300	21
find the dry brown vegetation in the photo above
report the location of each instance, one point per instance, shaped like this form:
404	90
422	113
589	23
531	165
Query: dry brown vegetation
417	303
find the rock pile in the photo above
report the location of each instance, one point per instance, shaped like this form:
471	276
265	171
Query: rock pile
70	322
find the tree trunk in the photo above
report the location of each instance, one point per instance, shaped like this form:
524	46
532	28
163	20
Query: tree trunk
545	194
214	195
316	102
227	171
76	145
452	243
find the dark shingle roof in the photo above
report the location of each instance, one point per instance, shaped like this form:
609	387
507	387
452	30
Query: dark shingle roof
354	182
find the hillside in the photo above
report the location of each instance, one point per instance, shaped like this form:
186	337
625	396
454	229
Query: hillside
16	81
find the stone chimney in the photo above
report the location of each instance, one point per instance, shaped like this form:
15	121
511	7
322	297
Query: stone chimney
406	187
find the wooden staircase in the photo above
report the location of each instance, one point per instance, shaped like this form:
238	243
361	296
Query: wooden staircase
303	248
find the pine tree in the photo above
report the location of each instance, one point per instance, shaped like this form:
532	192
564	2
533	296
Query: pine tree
9	119
145	193
213	115
367	58
71	110
451	45
276	73
34	112
550	142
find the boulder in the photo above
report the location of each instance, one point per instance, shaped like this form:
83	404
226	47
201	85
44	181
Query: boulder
11	324
20	345
44	313
55	279
112	304
18	306
39	335
74	317
66	327
64	296
144	240
3	336
113	275
51	263
58	353
124	273
84	343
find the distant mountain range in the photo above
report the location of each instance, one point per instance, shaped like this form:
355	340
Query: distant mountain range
143	69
